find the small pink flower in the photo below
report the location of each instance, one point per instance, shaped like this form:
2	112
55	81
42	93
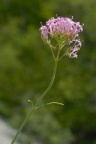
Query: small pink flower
44	32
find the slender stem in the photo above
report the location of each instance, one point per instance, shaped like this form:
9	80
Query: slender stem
51	82
49	87
39	100
62	56
22	125
52	53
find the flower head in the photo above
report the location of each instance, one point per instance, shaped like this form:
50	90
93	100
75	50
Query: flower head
65	32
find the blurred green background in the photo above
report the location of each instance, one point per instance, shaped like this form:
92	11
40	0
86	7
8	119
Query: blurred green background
26	66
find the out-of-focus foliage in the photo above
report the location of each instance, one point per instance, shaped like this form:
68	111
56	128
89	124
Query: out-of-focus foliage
26	66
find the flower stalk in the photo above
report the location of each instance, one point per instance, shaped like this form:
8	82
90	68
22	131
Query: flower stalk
34	107
57	33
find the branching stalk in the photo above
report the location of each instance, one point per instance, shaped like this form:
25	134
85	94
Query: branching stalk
34	107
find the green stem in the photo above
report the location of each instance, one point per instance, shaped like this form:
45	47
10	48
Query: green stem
49	87
39	100
51	82
22	125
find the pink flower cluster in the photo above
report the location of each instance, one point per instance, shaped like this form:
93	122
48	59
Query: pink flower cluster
65	30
